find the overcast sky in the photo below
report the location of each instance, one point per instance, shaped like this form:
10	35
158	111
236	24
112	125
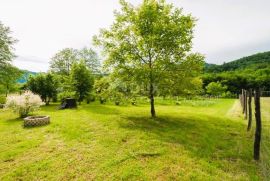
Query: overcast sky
226	29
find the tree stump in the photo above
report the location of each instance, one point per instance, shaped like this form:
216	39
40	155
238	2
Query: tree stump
68	103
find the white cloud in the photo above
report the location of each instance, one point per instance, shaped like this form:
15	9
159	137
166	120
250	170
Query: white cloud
226	29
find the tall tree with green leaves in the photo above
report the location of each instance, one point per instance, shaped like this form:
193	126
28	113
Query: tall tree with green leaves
150	44
62	61
6	45
8	73
8	77
44	85
82	80
90	57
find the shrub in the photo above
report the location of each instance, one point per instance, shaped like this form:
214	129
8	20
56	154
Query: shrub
90	98
24	104
2	99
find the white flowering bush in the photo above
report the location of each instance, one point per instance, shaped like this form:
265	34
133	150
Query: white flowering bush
24	104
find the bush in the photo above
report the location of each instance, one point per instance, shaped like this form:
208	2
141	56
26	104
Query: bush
66	94
24	104
2	99
90	98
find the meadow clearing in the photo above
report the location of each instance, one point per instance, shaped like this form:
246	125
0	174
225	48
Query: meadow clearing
196	140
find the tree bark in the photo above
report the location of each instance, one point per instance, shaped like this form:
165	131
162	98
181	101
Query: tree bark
257	141
7	90
152	100
249	109
151	92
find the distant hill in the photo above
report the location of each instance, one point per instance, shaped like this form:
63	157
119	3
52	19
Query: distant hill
25	76
253	62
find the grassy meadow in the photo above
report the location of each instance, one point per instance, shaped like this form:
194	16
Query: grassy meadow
203	140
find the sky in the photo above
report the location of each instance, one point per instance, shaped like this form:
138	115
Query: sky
226	29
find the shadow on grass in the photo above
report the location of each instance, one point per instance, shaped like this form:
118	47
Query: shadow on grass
101	109
15	120
211	138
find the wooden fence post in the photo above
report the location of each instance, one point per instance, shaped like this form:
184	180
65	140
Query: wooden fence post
249	109
258	125
245	104
242	101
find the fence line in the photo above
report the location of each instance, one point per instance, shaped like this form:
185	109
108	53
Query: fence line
264	138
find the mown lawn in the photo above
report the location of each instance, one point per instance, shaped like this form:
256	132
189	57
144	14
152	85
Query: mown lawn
107	142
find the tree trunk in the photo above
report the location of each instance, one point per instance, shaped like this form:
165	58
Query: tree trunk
257	141
7	90
249	109
152	100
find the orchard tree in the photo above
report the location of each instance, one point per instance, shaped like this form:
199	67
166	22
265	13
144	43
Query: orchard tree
81	79
101	88
62	61
150	43
90	59
45	85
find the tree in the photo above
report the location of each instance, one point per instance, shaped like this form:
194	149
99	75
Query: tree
44	85
62	61
90	59
8	73
101	87
6	46
82	80
9	76
215	88
151	44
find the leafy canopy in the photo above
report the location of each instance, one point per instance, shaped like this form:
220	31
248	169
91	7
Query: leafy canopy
150	44
82	80
62	61
45	85
6	45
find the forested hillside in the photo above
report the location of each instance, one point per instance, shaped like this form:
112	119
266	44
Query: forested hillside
25	76
246	72
256	61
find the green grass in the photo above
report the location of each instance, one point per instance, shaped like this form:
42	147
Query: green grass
107	142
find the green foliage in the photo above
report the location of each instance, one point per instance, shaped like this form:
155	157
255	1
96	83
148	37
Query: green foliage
66	94
8	77
44	85
256	61
82	80
62	61
91	97
101	88
90	58
215	89
150	45
6	46
247	72
2	99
